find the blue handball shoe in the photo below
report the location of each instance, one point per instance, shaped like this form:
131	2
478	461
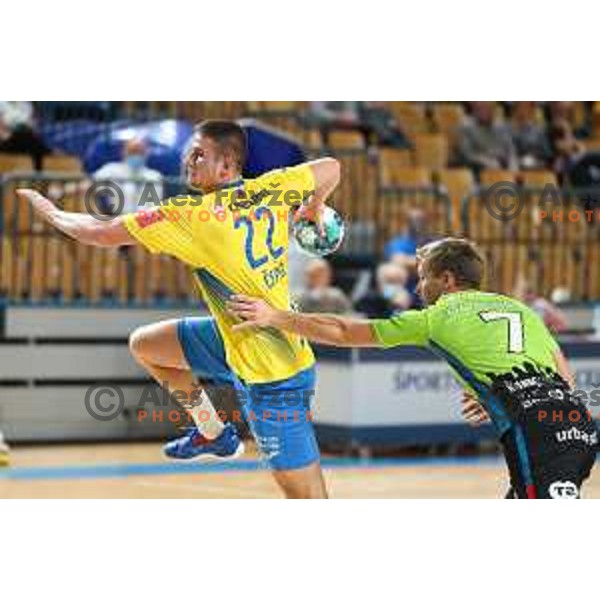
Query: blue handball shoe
194	446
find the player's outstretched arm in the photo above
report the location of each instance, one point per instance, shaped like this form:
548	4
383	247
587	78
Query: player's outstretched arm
81	227
325	329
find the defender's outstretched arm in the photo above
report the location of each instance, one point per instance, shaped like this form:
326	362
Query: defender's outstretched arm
325	329
81	227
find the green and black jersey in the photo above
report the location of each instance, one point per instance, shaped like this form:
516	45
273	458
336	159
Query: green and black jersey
482	336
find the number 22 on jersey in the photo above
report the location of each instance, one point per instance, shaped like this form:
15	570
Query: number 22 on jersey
267	248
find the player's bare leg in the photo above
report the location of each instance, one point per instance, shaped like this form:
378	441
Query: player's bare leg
306	483
156	347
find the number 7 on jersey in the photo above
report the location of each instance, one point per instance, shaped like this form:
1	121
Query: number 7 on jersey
515	327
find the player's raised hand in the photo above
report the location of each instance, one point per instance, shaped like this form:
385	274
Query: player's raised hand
312	211
472	410
254	312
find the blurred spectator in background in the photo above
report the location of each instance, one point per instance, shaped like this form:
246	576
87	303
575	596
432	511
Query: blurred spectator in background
565	111
336	114
403	248
141	186
383	130
17	134
583	175
328	116
553	317
66	110
484	143
374	120
560	295
319	294
530	138
566	148
560	111
390	296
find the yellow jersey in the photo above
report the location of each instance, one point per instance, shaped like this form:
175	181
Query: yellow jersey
236	242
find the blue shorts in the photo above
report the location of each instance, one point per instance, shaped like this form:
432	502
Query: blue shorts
277	412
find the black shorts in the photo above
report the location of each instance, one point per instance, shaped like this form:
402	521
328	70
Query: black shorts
552	475
552	443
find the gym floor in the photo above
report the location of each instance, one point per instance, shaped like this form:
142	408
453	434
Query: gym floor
138	471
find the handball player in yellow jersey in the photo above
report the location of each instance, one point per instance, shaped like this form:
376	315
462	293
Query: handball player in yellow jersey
234	236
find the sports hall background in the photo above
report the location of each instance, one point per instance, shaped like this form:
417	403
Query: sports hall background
412	171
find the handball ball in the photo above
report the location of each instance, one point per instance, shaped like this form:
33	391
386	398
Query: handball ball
310	239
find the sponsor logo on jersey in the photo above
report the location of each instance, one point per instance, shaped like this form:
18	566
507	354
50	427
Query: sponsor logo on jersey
524	384
531	402
556	394
563	490
575	434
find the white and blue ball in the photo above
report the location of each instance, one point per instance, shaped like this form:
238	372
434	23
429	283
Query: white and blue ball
309	238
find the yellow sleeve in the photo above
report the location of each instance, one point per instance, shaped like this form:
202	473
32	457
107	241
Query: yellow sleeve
166	229
289	186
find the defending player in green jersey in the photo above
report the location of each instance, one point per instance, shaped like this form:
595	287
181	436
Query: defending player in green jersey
457	324
497	347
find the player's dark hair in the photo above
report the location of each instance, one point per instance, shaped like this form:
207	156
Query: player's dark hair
458	256
229	137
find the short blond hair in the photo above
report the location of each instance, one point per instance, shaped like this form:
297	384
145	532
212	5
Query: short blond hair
456	255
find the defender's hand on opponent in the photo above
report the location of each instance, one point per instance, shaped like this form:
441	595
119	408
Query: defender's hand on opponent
254	312
472	410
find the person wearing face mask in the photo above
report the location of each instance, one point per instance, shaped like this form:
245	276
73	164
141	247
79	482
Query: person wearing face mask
402	249
392	280
133	177
391	295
